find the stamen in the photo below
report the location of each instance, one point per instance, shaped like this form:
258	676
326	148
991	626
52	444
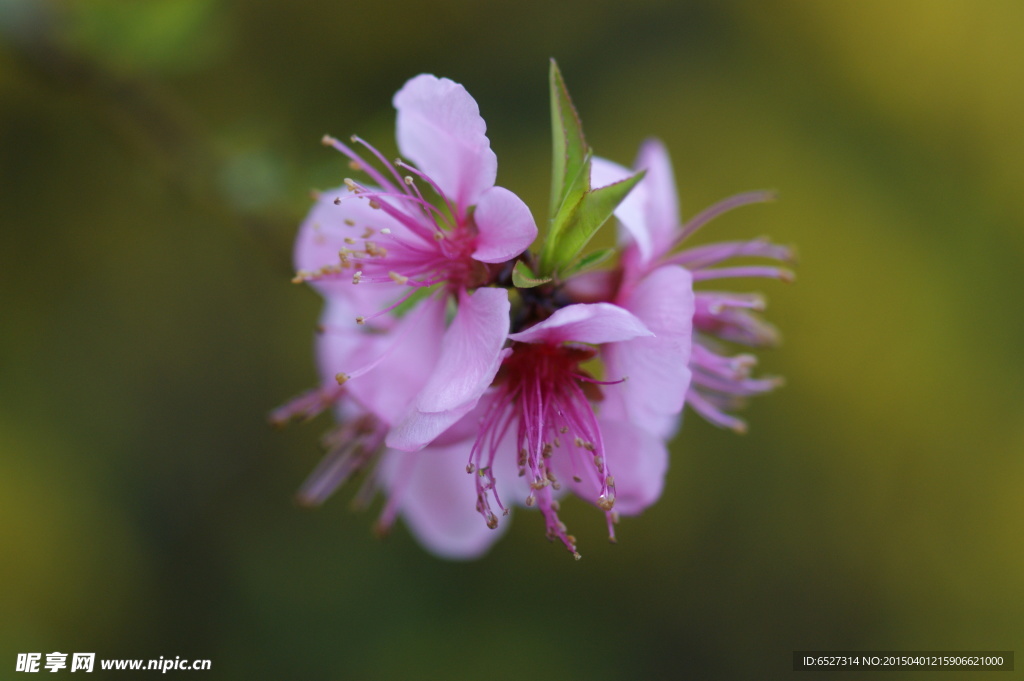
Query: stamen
724	206
779	273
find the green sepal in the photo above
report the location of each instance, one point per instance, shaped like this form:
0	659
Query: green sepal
523	276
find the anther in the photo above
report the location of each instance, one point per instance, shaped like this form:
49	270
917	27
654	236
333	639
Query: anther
360	320
576	555
348	221
374	204
374	251
398	278
355	165
337	200
470	468
386	230
529	500
367	233
350	241
408	180
341	378
327	140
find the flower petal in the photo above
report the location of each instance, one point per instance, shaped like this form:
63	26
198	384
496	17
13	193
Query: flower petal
505	225
438	500
585	323
661	205
322	235
656	369
636	459
630	213
470	356
413	346
440	129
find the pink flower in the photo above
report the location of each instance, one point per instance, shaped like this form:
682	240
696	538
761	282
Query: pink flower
533	436
651	263
389	233
462	402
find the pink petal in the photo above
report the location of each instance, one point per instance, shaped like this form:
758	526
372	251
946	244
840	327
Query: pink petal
585	323
323	234
656	369
505	224
437	499
470	356
661	205
413	346
636	459
339	339
417	429
631	212
441	131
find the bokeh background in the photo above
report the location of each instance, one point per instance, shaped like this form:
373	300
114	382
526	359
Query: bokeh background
155	160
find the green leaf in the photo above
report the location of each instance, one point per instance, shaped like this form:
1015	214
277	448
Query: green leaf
592	211
574	194
523	276
589	260
569	148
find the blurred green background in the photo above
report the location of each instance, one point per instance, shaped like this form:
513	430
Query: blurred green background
155	160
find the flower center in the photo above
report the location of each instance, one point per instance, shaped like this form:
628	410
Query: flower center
544	394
